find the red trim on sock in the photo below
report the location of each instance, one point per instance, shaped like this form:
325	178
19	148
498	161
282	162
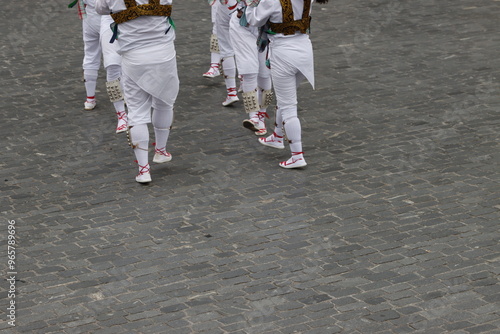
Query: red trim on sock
262	114
231	91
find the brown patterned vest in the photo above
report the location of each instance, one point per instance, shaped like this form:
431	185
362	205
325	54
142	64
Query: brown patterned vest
153	8
289	25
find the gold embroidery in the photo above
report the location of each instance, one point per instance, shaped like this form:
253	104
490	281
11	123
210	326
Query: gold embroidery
133	11
289	25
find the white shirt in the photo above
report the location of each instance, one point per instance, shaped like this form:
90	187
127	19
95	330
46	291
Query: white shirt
287	51
141	32
270	10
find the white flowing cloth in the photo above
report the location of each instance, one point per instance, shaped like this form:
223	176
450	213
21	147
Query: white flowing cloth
154	70
149	66
244	41
292	52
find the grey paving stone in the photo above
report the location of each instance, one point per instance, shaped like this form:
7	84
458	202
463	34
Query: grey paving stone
391	228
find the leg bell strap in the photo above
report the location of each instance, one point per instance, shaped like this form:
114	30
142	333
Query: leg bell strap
250	101
114	90
266	98
131	142
214	44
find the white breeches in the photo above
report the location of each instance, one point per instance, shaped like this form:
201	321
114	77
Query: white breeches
222	23
109	50
285	81
213	15
91	26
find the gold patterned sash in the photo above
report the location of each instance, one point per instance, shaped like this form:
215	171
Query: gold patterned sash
133	11
289	25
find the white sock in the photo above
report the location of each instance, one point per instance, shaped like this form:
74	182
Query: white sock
253	116
214	58
139	137
162	121
249	82
229	68
90	77
119	105
278	126
293	134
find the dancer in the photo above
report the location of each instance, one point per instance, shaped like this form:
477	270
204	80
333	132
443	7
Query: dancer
96	35
113	66
224	12
251	65
150	80
291	58
214	70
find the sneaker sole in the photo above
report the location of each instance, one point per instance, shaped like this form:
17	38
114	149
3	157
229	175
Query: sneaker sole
161	161
229	103
249	125
144	181
293	166
270	145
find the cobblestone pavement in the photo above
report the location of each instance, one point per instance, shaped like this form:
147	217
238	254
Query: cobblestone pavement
393	226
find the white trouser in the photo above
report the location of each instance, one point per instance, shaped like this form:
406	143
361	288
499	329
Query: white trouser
109	50
286	79
285	82
213	15
222	22
91	26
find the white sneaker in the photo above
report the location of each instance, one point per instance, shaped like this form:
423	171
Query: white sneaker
144	175
272	141
250	125
230	99
143	178
161	156
255	124
261	131
89	104
213	71
294	162
122	122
